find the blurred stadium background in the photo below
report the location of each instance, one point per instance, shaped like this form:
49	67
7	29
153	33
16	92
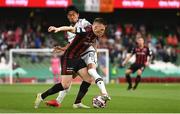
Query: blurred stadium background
24	23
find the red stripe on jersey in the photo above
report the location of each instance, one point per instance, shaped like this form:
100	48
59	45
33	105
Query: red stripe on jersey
80	43
142	62
65	36
141	55
70	50
74	50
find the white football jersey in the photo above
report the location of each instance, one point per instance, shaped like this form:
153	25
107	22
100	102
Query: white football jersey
81	23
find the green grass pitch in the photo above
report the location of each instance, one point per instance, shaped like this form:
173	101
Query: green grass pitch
148	98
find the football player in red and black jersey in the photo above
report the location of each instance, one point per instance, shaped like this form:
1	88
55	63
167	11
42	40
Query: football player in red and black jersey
142	54
71	59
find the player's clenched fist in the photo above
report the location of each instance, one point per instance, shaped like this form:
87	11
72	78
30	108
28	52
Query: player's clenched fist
58	49
51	28
55	29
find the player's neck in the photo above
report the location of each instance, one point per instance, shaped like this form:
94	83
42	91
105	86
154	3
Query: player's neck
141	46
73	23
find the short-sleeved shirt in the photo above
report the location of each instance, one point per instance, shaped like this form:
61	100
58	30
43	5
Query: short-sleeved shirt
141	54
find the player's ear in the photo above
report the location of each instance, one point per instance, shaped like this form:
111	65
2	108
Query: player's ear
105	26
78	15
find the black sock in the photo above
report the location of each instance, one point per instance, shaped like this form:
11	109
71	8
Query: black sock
138	79
56	88
128	79
82	91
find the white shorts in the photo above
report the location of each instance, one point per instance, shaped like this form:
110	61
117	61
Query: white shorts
90	57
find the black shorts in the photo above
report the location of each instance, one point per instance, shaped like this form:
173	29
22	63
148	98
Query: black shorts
68	66
134	67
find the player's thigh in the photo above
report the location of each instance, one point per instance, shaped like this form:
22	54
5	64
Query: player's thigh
84	75
128	71
74	75
66	81
140	70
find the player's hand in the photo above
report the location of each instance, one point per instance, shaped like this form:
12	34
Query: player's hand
51	28
58	49
55	29
123	63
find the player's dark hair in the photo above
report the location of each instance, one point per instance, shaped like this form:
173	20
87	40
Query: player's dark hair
100	20
140	37
71	8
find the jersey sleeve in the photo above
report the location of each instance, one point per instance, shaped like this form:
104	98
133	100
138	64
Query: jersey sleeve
133	51
66	37
149	52
85	23
81	30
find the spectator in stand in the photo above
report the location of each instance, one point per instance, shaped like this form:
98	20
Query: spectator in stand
128	29
174	41
173	56
142	29
169	40
18	36
118	32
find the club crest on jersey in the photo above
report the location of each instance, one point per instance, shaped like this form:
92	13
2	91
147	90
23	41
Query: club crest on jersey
144	49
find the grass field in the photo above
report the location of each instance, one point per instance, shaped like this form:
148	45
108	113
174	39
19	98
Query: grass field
161	98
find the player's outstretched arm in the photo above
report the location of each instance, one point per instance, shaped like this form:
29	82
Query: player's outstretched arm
127	59
149	57
63	28
58	49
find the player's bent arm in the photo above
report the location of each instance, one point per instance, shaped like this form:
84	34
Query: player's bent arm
148	60
67	28
63	28
149	57
59	48
127	59
65	47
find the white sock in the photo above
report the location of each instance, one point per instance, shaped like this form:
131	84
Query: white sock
62	95
100	83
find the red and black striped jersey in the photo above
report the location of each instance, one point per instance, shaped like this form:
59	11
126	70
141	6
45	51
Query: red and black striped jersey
84	38
141	54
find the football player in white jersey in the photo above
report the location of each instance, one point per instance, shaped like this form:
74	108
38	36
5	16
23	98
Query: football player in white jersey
89	57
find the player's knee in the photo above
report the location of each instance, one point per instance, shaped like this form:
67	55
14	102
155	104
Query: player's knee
66	85
139	72
88	79
93	73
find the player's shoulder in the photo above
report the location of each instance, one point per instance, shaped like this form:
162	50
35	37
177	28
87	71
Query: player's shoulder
146	46
134	47
88	28
84	22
